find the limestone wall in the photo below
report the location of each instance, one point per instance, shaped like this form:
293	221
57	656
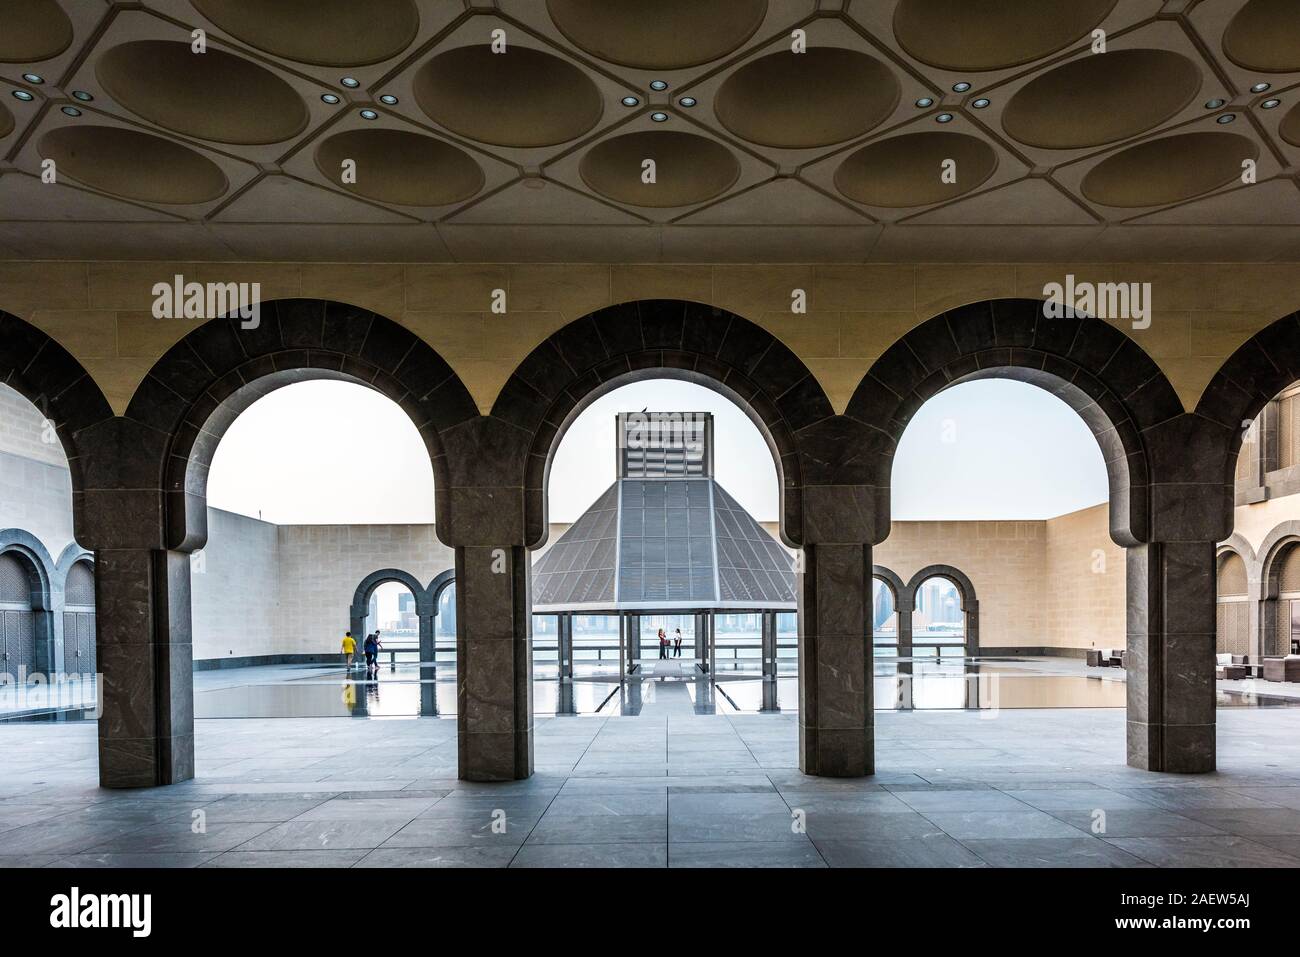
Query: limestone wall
235	588
100	311
35	485
1085	577
321	566
1005	561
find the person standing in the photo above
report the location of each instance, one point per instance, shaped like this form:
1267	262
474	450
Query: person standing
677	644
371	647
663	644
349	649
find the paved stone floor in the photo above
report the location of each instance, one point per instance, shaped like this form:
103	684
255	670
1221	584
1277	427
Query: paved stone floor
669	787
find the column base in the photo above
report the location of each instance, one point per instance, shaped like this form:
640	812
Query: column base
1172	748
145	762
496	755
836	752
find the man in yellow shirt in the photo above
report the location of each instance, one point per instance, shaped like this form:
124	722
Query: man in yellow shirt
349	646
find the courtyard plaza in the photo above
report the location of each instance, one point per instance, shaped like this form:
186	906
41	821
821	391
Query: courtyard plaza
687	780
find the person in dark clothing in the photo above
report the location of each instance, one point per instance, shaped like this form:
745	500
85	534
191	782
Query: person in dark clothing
663	644
677	644
371	648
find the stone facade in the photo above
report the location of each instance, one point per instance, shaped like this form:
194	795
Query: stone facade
1167	415
100	311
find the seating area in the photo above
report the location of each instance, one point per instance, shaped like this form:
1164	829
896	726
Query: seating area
1105	658
1282	669
1275	668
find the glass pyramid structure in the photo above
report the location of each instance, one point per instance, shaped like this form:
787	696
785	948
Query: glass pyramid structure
665	535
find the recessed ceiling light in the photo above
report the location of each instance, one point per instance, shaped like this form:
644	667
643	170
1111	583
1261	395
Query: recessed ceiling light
659	85
34	78
330	98
631	101
961	87
71	111
925	102
688	101
1214	104
388	99
82	95
982	102
23	95
1226	118
944	118
1260	87
1271	104
659	117
351	82
369	115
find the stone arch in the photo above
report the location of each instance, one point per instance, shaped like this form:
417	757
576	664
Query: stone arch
970	605
38	568
1234	631
440	584
360	608
892	581
71	554
902	611
656	338
194	392
1274	550
75	622
47	375
367	586
1261	368
1125	402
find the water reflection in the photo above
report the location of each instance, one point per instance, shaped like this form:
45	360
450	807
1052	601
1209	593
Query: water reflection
410	690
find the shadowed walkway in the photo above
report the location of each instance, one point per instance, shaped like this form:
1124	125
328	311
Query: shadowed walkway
666	788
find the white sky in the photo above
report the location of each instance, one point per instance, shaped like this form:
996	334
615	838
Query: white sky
333	452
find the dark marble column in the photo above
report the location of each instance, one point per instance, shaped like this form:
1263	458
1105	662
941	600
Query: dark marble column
1170	657
564	645
428	652
768	631
836	724
145	659
971	618
632	636
494	662
903	615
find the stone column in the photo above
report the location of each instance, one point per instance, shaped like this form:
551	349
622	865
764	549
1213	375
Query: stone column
145	659
836	724
971	625
494	663
428	652
632	635
767	627
702	640
1170	657
564	645
903	615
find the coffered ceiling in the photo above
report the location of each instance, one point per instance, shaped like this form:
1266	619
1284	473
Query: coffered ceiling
760	153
